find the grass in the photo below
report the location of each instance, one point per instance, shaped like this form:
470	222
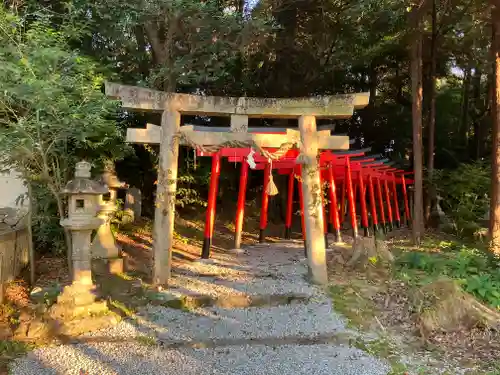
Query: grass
122	309
347	300
146	340
382	347
11	349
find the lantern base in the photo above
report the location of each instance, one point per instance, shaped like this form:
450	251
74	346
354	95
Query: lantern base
77	300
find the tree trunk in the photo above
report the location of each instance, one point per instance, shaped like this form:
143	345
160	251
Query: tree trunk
162	47
464	123
373	83
495	111
431	126
142	51
476	92
67	233
416	80
31	249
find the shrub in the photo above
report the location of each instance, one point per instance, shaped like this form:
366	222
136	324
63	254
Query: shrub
465	193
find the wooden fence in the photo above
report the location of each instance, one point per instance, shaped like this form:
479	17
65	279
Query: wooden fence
14	255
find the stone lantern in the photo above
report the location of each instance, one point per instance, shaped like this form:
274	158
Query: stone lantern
83	194
104	245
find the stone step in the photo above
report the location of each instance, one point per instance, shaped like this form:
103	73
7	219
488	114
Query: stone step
298	319
323	339
228	301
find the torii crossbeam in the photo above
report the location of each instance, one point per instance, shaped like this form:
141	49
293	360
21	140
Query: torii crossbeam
171	134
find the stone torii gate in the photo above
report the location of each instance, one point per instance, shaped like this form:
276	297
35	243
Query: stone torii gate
171	134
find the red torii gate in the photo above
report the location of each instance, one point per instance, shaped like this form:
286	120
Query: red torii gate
353	169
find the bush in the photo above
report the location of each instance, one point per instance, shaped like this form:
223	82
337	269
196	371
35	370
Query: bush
465	193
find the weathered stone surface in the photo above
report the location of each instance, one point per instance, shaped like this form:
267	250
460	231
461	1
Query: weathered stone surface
77	295
78	327
5	331
12	217
104	245
32	330
115	265
67	311
133	204
338	106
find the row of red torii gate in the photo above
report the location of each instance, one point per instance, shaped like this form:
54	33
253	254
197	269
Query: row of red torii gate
349	180
313	156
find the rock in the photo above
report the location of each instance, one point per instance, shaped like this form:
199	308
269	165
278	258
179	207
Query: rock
66	311
5	331
37	329
47	294
36	290
32	330
115	265
78	327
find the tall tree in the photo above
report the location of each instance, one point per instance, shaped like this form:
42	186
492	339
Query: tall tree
431	119
416	90
495	111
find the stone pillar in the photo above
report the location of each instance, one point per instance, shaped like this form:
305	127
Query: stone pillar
133	204
313	211
104	245
165	196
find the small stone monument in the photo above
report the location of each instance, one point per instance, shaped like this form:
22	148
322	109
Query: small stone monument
439	219
104	245
79	298
133	205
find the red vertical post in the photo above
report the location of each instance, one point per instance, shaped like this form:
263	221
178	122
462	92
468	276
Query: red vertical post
354	188
373	204
405	197
289	206
334	210
301	198
350	195
212	200
396	204
381	204
240	206
325	218
342	202
264	204
362	197
388	202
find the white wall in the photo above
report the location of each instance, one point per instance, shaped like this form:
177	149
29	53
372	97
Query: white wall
11	187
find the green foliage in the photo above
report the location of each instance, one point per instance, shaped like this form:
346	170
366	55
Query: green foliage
465	193
12	349
192	180
48	234
52	113
476	271
183	43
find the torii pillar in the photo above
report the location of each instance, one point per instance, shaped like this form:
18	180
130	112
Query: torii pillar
312	195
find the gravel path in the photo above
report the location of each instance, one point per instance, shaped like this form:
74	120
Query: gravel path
255	340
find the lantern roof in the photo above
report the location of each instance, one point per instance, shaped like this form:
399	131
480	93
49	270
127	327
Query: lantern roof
82	184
